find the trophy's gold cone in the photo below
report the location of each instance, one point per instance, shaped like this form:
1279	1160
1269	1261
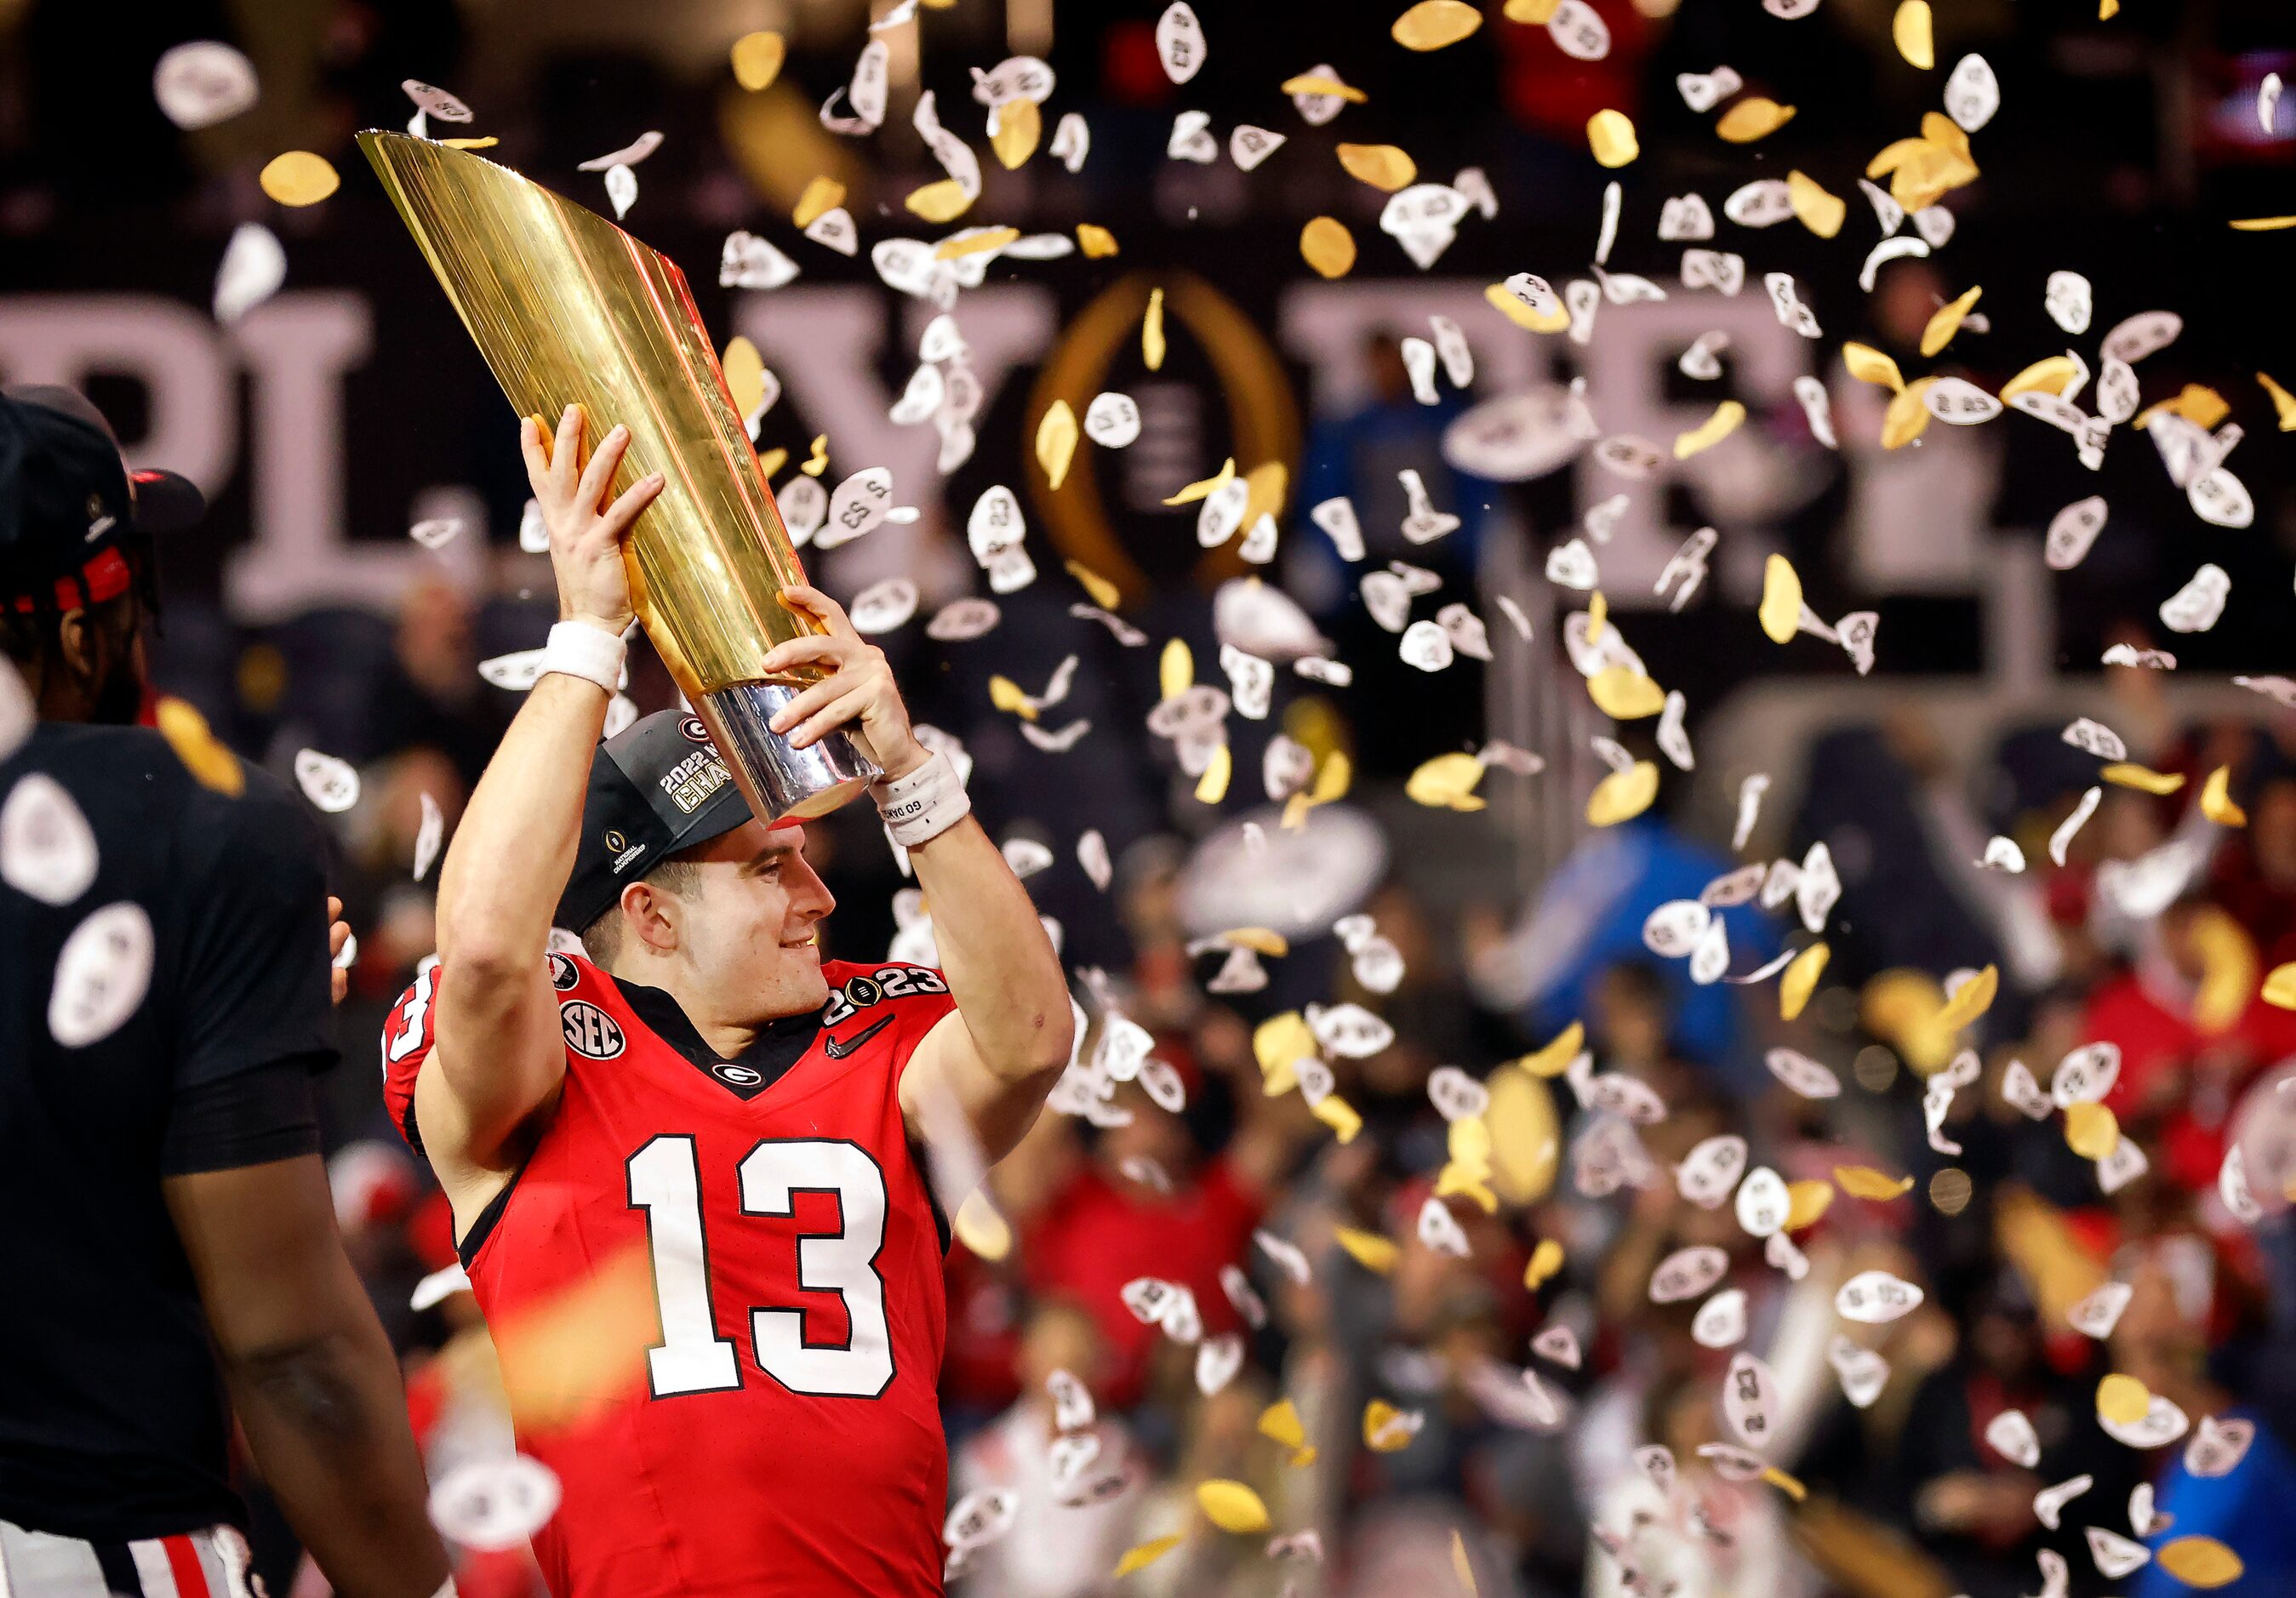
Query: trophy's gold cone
570	309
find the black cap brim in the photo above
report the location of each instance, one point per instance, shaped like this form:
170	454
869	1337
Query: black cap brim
166	502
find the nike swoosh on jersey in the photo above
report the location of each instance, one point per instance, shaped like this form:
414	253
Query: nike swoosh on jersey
839	1051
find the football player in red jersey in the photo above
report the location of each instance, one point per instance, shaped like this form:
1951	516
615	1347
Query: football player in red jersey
705	1095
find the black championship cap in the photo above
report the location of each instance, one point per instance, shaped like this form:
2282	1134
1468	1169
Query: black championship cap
656	787
69	503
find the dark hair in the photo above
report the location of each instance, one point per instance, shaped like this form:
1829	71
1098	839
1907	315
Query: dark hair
603	937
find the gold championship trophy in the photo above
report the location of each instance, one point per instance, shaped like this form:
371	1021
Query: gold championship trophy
568	308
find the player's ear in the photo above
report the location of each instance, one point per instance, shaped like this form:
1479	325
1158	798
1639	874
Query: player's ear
649	914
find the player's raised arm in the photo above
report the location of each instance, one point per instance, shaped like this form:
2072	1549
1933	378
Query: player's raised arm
499	1057
998	1055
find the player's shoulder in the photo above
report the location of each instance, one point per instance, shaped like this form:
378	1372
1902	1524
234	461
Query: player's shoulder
857	984
410	1029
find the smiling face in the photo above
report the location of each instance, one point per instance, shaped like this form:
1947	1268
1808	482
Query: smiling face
740	938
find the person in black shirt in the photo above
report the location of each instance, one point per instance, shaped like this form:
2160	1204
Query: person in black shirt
163	1002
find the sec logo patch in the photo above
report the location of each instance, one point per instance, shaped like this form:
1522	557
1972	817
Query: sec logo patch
590	1032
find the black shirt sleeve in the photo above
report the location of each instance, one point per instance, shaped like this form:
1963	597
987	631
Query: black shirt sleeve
259	1116
255	984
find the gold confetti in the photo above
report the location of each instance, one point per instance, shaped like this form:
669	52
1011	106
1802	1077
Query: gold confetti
1199	489
1104	594
1310	83
1806	1204
1447	782
1753	118
1019	125
2106	10
217	768
1213	786
1431	24
1950	1190
1785	1483
981	1228
1326	245
299	177
816	463
1947	322
1536	13
2283	403
1279	1044
2091	1130
2216	800
1623	795
745	374
1147	1553
2197	403
1267	941
1598	612
1522	316
1151	335
1622	694
1384	1427
1556	1058
1232	1506
2280	987
487	142
1546	1260
1821	210
2052	375
2200	1561
1864	1182
1781	611
1264	489
1868	364
1176	670
1368	1249
2264	224
942	202
1908	417
1010	697
1383	167
1461	1566
1971	1000
581	1351
1611	134
1280	1423
771	461
758	59
2145	777
2122	1400
1801	979
1056	442
1910	29
1338	1115
978	243
1711	431
822	193
1096	242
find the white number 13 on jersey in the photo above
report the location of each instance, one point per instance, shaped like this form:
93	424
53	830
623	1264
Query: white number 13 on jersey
665	1180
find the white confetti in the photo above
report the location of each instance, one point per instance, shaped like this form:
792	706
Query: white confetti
254	265
1872	1298
202	82
494	1502
432	830
330	784
102	972
47	849
1180	42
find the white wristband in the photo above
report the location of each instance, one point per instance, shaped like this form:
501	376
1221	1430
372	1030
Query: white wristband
579	650
921	806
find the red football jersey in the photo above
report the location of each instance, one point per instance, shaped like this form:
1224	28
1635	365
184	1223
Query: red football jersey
784	1437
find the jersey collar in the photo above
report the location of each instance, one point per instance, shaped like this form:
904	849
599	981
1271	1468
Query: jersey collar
780	1044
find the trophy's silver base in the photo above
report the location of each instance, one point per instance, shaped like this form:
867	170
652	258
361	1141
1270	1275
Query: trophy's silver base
779	781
